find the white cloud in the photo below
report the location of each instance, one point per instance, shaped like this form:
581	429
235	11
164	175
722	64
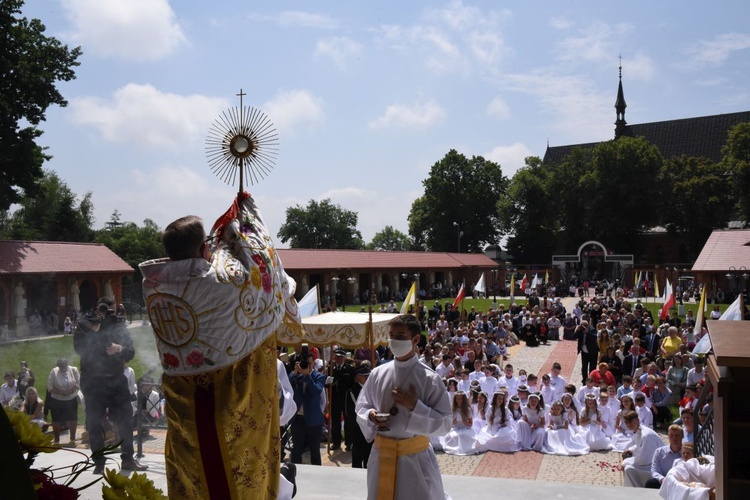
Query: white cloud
139	30
498	108
580	111
641	67
298	19
560	23
142	115
715	52
511	158
339	49
597	42
292	110
453	39
417	116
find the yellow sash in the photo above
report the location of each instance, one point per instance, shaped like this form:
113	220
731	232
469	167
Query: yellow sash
390	449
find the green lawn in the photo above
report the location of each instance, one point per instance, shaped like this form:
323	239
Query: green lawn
42	355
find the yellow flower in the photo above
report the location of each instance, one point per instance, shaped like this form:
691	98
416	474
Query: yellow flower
255	278
31	439
138	486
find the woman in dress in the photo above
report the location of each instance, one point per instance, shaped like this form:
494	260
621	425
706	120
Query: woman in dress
592	425
530	429
514	408
63	385
677	378
623	438
559	440
461	440
499	434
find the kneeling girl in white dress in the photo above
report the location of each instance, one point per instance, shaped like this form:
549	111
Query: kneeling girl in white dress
461	440
530	429
623	438
514	408
559	440
499	434
592	425
571	412
480	410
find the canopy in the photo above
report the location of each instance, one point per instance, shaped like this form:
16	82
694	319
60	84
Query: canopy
346	329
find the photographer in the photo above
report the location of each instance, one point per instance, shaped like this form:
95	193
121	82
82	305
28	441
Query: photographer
307	424
105	346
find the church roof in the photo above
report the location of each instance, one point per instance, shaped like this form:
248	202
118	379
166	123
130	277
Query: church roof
725	249
43	257
702	136
302	259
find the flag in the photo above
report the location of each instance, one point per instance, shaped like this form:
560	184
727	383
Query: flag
546	276
534	282
410	298
669	301
638	279
479	287
523	283
459	297
734	311
635	279
513	285
656	286
699	318
646	284
308	305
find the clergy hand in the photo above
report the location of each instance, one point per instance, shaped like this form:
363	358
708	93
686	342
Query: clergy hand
407	399
113	349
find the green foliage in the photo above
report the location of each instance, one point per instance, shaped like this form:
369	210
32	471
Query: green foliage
608	193
30	65
321	225
458	190
54	214
389	239
736	163
526	211
698	197
132	243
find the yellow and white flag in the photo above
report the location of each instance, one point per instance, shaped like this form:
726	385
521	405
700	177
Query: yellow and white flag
410	298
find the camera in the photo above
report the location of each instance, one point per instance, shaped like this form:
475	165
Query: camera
304	364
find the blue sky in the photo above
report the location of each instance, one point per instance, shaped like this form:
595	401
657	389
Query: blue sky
366	96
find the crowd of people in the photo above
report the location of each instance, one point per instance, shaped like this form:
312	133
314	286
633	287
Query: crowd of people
638	374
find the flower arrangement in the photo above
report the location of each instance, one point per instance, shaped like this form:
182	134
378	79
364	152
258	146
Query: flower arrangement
57	483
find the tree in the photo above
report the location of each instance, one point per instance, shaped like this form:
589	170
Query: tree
459	204
526	213
698	199
30	65
132	243
389	239
54	214
609	193
736	163
321	225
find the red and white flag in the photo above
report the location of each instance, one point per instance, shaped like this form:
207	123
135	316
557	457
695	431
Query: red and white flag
669	301
459	297
524	283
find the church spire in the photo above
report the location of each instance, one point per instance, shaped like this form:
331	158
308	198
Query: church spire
620	108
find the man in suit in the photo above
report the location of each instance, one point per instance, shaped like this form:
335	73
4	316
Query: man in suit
651	343
632	361
587	348
342	378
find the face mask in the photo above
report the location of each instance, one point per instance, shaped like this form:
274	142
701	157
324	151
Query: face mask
400	348
522	378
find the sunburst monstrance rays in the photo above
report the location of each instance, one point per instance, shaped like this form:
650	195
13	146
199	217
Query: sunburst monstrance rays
243	140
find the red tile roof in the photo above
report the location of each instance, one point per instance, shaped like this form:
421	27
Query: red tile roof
724	249
299	259
36	257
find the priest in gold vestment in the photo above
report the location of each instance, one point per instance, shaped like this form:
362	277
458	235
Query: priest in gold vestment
215	305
